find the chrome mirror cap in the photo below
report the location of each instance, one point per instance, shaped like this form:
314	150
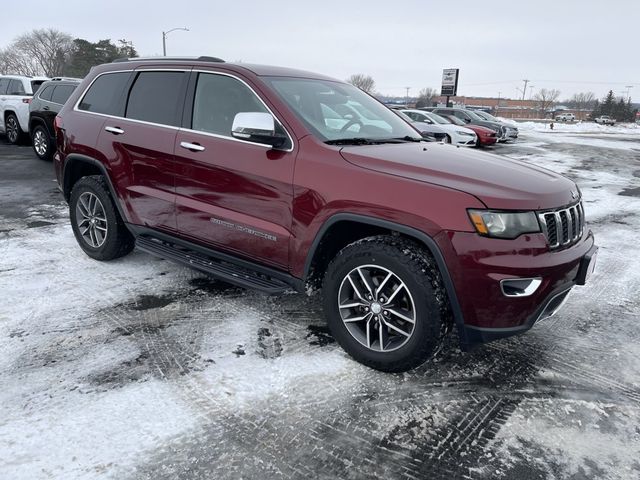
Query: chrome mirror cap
248	124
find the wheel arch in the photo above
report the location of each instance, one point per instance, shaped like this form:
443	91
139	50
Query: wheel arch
37	121
370	226
77	166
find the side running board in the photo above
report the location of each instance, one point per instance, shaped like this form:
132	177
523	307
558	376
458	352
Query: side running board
221	269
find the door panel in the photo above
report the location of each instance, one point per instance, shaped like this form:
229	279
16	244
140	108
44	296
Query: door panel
235	196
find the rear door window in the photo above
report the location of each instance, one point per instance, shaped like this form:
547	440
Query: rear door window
62	93
16	88
105	94
157	97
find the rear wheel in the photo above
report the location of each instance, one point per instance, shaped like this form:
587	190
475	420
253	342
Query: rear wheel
42	144
96	223
385	304
12	129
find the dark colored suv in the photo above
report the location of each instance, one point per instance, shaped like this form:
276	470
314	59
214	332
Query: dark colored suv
261	177
43	109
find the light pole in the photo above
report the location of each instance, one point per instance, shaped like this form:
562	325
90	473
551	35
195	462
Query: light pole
164	38
407	97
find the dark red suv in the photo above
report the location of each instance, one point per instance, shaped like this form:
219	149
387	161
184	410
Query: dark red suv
272	178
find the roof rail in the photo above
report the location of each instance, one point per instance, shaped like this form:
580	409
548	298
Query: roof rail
202	58
66	79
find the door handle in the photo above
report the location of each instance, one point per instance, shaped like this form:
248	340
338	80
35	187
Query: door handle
194	147
45	108
114	130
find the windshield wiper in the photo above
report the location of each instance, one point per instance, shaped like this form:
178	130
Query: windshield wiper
351	141
371	141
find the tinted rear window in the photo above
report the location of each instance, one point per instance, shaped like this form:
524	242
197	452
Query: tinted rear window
35	85
155	97
105	94
46	93
62	93
4	83
15	88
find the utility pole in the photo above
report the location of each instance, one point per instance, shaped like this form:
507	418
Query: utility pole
498	105
524	91
407	97
628	87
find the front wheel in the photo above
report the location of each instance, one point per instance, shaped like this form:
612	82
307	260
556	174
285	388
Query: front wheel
96	223
385	304
447	139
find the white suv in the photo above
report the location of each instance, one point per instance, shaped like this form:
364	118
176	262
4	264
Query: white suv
566	117
15	95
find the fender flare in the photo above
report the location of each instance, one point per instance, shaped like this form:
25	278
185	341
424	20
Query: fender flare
74	158
418	235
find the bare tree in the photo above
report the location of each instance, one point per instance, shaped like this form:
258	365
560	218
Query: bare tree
425	97
16	63
365	83
582	101
545	99
40	52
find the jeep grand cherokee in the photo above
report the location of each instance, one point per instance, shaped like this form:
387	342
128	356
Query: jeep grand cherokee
273	178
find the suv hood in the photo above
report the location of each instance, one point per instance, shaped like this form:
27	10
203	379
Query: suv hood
499	182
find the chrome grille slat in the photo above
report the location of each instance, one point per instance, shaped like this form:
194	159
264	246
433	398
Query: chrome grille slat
564	226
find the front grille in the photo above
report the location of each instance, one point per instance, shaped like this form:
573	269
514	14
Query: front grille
563	227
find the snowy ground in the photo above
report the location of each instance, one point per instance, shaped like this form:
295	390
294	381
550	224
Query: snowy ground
142	369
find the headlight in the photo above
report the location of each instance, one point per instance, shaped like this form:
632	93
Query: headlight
466	134
503	224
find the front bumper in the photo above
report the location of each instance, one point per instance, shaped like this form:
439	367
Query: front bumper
477	265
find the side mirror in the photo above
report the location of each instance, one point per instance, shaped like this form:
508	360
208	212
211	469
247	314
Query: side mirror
259	127
467	120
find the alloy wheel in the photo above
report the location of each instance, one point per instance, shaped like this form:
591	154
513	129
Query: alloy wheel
91	219
377	308
12	129
40	143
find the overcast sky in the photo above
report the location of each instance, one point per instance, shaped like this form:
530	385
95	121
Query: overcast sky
570	45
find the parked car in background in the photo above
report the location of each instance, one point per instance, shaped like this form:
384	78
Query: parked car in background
16	92
512	128
471	118
485	136
605	120
44	107
565	117
455	134
427	131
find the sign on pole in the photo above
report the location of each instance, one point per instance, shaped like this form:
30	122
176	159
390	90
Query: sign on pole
450	82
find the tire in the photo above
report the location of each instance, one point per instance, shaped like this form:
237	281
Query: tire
106	237
12	128
421	297
447	139
42	144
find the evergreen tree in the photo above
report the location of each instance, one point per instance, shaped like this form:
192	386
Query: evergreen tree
608	105
86	55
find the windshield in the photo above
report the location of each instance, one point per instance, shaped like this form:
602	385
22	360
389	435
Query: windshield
486	116
335	111
474	115
437	118
454	120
